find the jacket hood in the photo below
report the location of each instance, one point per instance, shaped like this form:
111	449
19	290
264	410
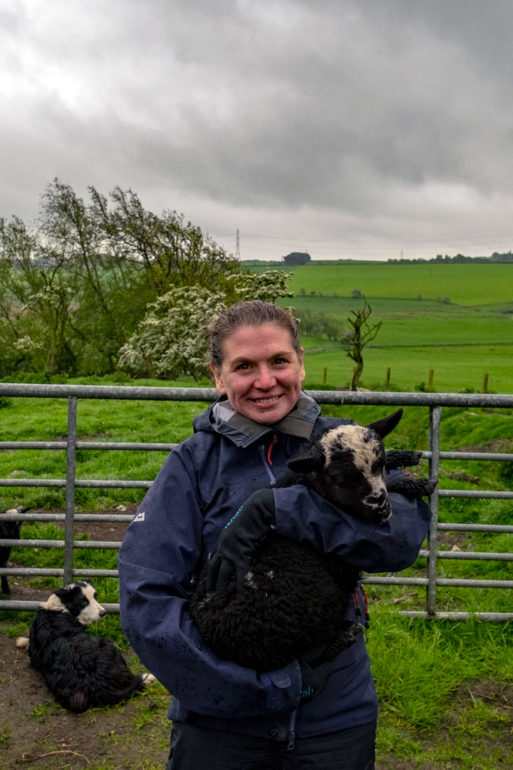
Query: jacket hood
222	418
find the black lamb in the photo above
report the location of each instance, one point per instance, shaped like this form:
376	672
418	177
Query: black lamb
294	599
9	530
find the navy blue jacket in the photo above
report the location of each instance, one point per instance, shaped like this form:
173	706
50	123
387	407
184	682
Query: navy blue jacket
199	487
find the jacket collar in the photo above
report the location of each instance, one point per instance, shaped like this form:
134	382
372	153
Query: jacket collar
243	431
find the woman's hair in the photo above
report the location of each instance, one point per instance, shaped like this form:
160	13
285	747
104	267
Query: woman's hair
250	313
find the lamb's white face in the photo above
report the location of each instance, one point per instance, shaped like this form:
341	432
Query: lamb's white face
93	610
355	471
79	600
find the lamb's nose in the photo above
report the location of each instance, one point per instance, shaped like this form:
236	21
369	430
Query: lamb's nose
379	501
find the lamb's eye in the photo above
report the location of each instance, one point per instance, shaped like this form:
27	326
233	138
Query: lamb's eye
352	477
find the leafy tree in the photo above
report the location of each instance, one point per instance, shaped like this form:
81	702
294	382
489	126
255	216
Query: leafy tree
170	251
354	341
297	258
172	339
35	300
314	324
75	288
268	286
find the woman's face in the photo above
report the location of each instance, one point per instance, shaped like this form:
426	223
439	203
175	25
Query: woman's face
261	373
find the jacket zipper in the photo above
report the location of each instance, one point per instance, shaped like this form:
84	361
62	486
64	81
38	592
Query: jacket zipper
266	458
292	731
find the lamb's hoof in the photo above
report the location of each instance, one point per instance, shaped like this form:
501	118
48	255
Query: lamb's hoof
22	642
431	486
148	679
354	632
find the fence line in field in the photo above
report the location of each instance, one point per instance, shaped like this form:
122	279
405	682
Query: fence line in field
433	401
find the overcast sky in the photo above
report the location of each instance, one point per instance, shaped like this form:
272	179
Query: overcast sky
370	129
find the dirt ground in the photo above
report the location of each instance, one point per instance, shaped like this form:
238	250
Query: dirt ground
35	732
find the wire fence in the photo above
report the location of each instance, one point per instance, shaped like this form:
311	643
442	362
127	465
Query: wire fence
432	580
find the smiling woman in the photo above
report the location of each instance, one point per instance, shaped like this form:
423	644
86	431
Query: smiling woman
213	497
261	373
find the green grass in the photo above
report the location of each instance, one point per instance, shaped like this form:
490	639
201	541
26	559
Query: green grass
23	419
466	284
439	687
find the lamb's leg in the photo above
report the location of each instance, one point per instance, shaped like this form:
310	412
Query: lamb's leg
412	487
401	458
343	640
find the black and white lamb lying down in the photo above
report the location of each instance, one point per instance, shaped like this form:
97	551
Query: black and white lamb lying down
80	670
295	599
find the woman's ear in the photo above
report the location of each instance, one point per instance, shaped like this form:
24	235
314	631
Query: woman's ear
218	379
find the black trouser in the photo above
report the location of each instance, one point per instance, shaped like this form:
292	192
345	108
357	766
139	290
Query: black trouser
197	748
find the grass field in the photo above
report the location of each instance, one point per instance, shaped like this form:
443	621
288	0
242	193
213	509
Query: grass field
463	284
456	320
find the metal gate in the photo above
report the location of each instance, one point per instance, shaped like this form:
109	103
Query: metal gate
433	401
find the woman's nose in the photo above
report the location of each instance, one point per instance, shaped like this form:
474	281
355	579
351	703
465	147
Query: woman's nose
265	378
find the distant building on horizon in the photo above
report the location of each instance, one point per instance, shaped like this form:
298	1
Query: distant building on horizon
297	258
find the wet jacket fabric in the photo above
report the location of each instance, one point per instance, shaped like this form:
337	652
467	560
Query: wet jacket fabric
200	486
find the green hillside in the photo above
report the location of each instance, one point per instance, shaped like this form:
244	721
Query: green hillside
462	284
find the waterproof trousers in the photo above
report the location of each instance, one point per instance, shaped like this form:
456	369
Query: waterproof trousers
198	748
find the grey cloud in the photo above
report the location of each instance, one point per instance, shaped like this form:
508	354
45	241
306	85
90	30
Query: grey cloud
360	114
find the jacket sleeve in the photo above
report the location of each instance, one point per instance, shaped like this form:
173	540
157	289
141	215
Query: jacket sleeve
157	559
303	515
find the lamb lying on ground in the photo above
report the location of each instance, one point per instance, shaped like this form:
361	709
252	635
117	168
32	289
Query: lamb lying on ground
80	670
295	599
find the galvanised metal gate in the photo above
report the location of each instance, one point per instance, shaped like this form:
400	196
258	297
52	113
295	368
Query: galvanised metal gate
433	401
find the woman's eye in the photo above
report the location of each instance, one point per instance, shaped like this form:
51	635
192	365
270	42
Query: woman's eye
240	367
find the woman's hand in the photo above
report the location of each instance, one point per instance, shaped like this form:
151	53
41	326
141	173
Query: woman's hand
238	539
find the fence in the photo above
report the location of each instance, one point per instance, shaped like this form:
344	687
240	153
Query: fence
433	401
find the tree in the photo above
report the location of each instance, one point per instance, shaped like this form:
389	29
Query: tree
297	258
354	341
268	286
172	339
35	300
315	324
74	289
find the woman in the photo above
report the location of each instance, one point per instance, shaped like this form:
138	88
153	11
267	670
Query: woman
225	716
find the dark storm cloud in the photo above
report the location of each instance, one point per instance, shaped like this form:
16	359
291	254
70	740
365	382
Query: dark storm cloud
331	120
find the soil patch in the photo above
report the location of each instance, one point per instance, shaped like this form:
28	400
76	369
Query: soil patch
107	530
36	733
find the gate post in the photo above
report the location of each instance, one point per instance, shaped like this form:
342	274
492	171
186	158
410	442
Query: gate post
70	489
435	413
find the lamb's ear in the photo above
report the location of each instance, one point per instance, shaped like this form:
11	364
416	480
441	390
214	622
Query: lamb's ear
312	460
387	424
